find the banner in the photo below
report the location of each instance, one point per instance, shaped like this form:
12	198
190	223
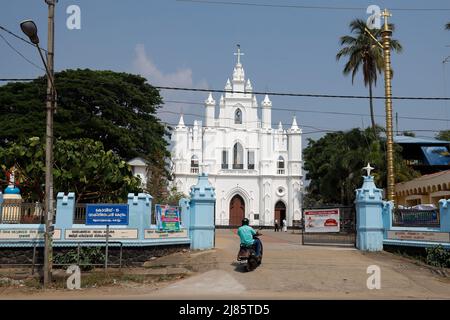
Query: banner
322	220
167	217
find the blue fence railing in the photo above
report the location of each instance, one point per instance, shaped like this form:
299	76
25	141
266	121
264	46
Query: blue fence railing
415	218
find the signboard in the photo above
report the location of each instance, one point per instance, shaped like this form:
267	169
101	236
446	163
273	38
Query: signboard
419	236
100	234
322	220
107	214
167	217
26	234
156	234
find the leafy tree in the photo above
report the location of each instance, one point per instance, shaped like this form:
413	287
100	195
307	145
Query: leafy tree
334	164
82	166
447	26
118	109
409	134
443	135
363	52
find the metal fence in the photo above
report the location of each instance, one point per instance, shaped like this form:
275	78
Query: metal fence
347	231
22	213
34	263
80	213
415	218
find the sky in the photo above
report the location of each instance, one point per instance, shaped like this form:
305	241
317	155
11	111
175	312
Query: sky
188	44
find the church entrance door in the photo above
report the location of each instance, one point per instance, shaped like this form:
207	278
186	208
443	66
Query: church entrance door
280	212
237	210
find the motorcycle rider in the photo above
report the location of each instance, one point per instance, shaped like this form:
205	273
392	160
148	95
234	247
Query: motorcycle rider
246	233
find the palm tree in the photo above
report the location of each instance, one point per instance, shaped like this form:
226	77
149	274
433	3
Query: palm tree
364	53
447	26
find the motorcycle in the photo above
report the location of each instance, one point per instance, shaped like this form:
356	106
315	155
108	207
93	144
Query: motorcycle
247	255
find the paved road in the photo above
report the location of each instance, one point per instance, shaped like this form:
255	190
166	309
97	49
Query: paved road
289	271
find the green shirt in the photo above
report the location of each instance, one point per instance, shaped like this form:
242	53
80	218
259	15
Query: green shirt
246	234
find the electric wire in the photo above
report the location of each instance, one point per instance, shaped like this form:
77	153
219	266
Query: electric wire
20	38
20	54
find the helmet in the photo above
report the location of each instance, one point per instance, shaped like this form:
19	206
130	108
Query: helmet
245	222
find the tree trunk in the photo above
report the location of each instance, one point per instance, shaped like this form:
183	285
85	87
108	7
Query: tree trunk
372	117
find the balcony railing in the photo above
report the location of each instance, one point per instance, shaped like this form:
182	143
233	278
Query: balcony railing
415	218
238	166
281	171
194	170
225	166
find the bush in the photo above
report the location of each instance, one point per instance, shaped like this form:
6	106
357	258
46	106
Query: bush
88	257
438	257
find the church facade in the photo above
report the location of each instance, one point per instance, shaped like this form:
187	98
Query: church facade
256	169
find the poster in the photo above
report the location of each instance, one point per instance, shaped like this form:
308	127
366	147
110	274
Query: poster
322	220
167	217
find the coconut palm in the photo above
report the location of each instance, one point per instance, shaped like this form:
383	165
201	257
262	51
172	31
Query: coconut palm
364	53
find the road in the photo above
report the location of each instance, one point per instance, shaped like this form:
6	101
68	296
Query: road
289	271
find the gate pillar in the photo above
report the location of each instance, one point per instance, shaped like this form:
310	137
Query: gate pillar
369	219
202	214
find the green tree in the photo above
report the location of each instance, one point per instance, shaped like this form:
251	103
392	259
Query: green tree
334	164
447	26
118	109
82	166
363	52
443	135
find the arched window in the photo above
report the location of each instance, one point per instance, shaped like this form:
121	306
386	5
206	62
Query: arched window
238	116
194	164
280	165
238	156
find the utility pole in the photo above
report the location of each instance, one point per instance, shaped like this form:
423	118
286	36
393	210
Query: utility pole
50	105
386	34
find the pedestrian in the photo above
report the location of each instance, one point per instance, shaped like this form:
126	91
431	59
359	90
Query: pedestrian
284	225
276	225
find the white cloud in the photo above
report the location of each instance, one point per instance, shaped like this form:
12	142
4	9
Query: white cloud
144	65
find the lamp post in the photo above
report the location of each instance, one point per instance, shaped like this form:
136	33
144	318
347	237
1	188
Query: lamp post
29	28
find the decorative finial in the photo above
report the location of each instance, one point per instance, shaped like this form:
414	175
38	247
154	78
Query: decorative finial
386	14
368	169
239	54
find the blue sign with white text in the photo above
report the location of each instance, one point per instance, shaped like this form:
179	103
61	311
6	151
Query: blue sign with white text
107	214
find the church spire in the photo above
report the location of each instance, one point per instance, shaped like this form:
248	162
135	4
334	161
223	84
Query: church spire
266	102
294	124
181	122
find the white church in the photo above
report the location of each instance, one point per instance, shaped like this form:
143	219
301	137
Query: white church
256	169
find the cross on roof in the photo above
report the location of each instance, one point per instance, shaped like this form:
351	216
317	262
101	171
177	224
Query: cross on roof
239	54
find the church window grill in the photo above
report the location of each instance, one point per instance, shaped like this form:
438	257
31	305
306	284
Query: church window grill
194	164
238	156
251	160
280	165
225	159
238	116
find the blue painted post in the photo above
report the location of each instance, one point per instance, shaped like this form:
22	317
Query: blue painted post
140	211
202	214
444	211
1	209
185	209
388	206
369	206
65	210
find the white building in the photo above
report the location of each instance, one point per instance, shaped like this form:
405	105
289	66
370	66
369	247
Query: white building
139	168
256	170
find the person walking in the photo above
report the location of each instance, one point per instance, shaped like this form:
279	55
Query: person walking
284	225
276	225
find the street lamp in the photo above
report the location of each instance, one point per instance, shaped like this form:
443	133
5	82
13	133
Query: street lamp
30	29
